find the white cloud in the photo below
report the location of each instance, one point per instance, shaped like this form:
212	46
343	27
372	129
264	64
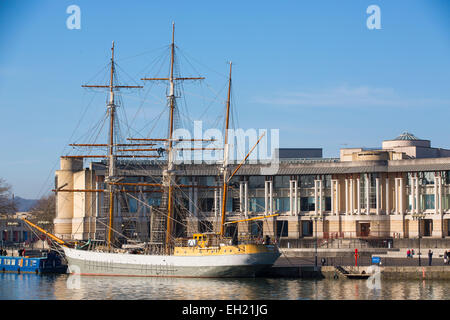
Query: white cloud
346	96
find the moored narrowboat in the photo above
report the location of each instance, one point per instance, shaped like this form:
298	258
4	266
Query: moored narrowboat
42	262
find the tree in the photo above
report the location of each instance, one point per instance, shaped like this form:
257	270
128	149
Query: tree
44	211
7	204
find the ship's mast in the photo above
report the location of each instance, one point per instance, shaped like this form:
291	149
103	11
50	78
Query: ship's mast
111	143
169	149
225	159
168	175
111	164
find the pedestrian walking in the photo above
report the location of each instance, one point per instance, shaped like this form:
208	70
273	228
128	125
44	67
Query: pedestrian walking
445	257
430	257
408	253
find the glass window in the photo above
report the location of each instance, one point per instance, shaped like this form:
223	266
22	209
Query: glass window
327	181
307	181
132	204
281	181
426	177
206	204
307	228
185	180
327	203
428	201
255	182
307	204
206	181
282	204
256	228
257	204
282	229
154	201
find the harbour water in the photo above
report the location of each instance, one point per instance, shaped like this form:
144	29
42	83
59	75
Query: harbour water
64	287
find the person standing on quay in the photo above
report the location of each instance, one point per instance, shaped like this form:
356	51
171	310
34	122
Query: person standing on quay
430	257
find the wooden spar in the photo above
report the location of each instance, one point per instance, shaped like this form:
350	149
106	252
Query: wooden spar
141	184
105	145
195	149
225	159
116	156
134	150
45	232
243	161
160	79
103	190
100	86
78	190
254	218
163	140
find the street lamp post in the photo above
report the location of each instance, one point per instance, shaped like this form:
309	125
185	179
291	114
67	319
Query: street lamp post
418	217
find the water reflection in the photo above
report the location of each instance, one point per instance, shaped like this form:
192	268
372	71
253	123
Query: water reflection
54	287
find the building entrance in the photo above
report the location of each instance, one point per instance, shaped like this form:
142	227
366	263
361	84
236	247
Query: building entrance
427	227
363	229
307	228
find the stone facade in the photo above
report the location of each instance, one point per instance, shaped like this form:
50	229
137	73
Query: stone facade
365	197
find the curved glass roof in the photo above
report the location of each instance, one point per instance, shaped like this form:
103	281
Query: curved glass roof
407	136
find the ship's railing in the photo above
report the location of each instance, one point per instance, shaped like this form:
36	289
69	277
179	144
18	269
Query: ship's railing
214	240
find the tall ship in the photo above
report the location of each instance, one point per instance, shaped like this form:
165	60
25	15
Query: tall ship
165	254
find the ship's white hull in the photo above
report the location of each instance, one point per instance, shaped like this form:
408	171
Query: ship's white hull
120	264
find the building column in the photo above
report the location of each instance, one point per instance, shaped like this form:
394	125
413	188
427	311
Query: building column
316	202
338	197
266	197
271	197
246	198
321	208
367	177
358	196
296	197
402	210
241	196
388	209
352	196
346	196
291	197
437	195
333	198
377	195
396	196
413	195
417	199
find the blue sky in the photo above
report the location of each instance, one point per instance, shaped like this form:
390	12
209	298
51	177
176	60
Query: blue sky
309	68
